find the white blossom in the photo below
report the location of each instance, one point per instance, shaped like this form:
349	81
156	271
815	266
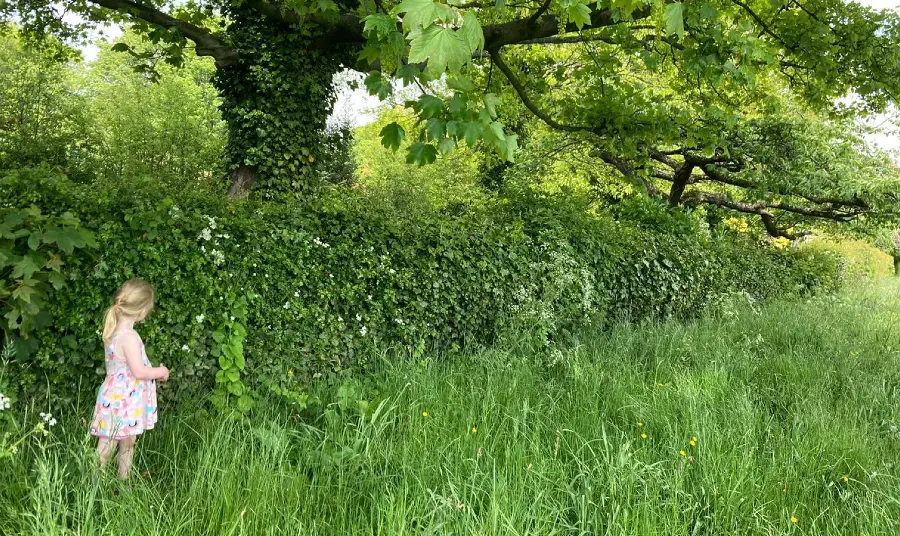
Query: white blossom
297	294
340	319
392	271
358	318
205	234
200	319
212	222
184	348
217	256
399	321
4	402
363	330
317	241
287	305
331	276
52	422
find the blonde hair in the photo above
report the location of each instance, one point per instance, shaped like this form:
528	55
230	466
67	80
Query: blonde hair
134	298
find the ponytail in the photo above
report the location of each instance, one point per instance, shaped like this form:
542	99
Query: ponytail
134	299
110	323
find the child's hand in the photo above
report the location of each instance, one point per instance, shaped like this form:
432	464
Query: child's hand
165	376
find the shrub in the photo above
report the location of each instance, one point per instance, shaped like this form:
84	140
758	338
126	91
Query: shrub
274	295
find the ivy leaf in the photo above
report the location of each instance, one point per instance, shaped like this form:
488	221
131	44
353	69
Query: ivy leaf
443	48
674	16
376	84
472	31
421	154
392	136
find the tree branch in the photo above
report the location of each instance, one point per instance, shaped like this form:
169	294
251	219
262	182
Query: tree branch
206	44
520	89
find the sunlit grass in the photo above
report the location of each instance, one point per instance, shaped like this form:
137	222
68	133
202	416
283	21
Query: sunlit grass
774	419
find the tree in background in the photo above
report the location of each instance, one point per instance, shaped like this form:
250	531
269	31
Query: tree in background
41	117
662	90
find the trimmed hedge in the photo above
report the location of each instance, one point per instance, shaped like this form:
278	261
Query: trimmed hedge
322	287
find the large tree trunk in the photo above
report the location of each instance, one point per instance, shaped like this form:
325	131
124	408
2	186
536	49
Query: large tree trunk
275	100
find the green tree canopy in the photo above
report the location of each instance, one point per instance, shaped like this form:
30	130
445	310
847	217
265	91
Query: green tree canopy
723	102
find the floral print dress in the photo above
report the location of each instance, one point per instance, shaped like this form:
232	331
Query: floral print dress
126	406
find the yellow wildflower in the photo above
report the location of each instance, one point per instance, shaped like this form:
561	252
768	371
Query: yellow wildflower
846	478
424	413
693	443
640	425
794	519
683	453
643	436
474	429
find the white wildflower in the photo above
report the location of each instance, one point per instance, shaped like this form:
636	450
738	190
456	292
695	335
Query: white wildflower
331	276
340	319
52	422
205	234
200	319
184	348
4	402
296	293
212	222
358	318
363	330
399	321
217	256
370	297
392	271
287	305
317	241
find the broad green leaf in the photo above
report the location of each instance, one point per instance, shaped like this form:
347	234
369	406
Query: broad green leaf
447	146
579	13
420	13
490	102
428	106
674	16
460	82
225	362
27	266
443	48
379	26
34	241
408	74
24	292
421	154
472	31
471	131
378	85
435	129
392	136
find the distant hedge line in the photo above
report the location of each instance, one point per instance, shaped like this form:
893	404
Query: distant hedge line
323	287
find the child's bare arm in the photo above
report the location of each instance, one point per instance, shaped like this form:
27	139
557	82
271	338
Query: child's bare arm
131	348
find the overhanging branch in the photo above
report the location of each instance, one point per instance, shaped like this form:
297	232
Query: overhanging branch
206	44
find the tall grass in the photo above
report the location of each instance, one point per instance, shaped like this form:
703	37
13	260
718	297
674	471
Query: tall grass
794	406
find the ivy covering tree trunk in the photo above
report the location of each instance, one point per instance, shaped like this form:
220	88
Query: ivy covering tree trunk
276	99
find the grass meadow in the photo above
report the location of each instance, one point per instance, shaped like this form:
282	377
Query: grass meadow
780	418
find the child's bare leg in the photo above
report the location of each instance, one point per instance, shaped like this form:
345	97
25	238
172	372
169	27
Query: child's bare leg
105	449
126	453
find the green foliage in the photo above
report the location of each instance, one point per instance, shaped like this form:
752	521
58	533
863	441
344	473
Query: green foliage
276	101
169	128
32	248
328	284
42	115
859	260
790	406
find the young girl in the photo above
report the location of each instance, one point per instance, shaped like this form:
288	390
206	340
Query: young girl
126	402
